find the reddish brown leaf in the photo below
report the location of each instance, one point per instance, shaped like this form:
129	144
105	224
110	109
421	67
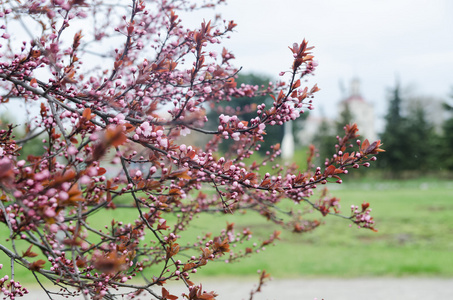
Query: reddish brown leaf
227	165
153	185
75	195
365	206
315	88
373	148
6	172
86	113
188	266
130	30
230	83
191	154
182	173
101	171
172	250
174	192
190	283
162	226
117	64
365	145
265	183
36	265
330	170
141	184
167	296
220	245
29	253
115	135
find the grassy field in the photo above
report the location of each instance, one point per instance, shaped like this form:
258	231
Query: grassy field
415	237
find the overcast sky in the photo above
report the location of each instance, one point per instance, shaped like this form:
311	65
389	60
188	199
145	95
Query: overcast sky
374	40
377	41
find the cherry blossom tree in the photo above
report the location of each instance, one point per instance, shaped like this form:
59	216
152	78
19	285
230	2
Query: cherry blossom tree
122	87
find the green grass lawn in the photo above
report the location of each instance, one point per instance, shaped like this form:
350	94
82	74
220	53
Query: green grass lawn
415	237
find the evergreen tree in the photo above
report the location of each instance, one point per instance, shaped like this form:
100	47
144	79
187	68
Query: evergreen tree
327	134
324	141
395	135
422	139
446	159
345	118
245	108
410	139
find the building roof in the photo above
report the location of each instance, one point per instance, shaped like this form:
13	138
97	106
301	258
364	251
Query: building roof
354	98
354	92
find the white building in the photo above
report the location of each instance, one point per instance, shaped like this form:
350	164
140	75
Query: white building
362	112
311	128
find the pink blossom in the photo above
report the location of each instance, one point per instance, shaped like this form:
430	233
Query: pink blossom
42	175
50	14
164	143
224	119
54	228
63	195
235	136
49	212
85	179
120	118
147	129
81	14
72	150
185	131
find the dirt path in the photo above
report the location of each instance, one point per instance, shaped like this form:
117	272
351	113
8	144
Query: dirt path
344	289
327	289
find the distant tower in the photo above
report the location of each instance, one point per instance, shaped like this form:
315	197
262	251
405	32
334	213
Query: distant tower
288	141
362	112
355	87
